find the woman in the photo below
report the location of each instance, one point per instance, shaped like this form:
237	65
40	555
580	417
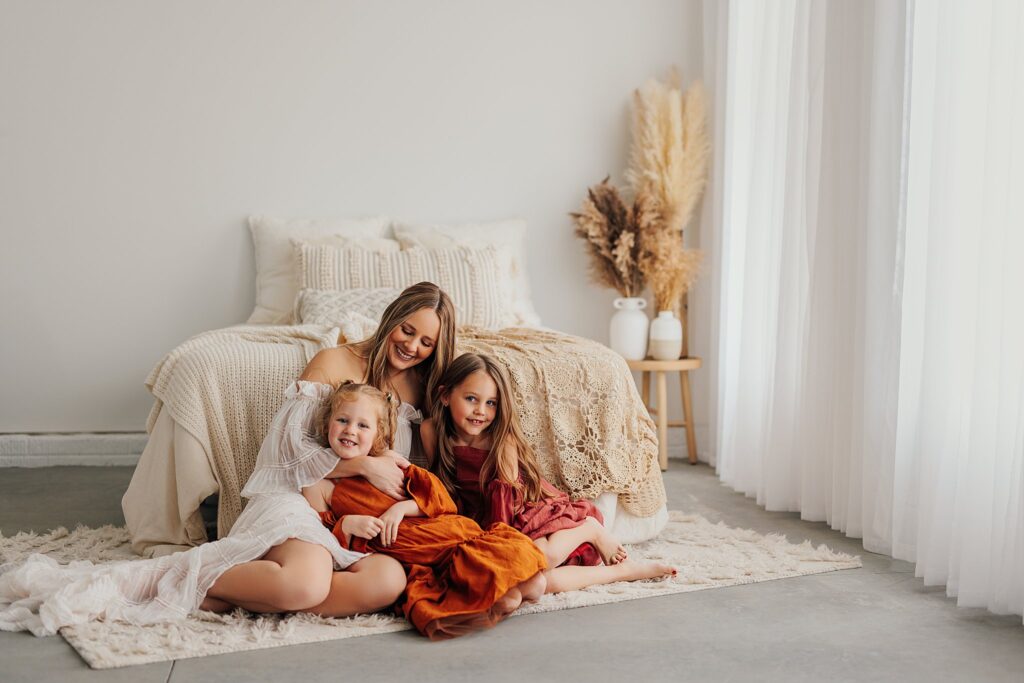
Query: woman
411	349
278	557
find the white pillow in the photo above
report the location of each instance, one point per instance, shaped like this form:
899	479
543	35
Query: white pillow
327	306
478	280
276	264
510	234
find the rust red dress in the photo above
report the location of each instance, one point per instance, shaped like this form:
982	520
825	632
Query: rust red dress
456	570
504	503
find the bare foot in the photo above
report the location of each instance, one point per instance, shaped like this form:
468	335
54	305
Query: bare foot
215	605
507	603
634	571
533	587
611	550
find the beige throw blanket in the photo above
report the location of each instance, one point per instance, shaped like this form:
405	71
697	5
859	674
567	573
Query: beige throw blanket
577	400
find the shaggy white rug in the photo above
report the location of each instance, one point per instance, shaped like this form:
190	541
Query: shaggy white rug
707	556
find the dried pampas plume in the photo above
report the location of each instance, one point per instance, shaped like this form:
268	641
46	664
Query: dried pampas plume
670	150
668	159
615	236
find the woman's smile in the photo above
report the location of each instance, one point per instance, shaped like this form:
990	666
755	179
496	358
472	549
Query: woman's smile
407	357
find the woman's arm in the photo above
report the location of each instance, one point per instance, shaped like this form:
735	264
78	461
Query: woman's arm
385	472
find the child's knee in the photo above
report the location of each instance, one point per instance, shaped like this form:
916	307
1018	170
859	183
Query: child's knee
319	494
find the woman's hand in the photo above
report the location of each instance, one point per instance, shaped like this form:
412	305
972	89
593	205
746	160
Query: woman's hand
363	526
386	473
391	520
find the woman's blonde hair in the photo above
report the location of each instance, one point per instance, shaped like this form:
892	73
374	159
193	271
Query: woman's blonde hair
349	392
510	459
375	349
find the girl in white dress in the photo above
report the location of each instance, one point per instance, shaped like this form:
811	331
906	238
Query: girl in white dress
278	557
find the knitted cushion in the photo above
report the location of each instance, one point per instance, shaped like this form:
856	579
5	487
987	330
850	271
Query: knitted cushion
328	306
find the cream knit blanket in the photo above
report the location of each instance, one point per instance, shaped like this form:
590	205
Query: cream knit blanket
577	400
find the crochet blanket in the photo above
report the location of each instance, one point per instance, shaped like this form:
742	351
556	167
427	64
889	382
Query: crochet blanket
577	400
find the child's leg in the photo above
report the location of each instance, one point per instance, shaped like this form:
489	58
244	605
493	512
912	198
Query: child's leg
562	579
558	546
292	576
369	585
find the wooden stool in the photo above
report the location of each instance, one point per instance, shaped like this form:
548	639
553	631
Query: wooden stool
659	368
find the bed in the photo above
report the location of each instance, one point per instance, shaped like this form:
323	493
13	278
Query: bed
320	283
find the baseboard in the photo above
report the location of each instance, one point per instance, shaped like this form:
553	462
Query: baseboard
50	450
99	450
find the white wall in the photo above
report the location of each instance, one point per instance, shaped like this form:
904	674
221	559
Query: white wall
136	136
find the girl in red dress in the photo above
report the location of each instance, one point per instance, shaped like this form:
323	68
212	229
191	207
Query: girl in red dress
475	446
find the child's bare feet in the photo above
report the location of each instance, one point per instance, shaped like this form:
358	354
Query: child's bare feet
215	605
611	550
507	603
533	587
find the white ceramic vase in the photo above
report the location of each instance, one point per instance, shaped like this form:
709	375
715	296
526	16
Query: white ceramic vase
628	330
666	336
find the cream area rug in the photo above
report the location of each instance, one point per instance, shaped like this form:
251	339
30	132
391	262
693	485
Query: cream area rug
707	556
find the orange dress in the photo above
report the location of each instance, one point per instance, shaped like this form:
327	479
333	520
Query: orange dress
456	570
504	503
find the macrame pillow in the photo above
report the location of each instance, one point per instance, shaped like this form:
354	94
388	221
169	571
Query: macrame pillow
328	306
477	279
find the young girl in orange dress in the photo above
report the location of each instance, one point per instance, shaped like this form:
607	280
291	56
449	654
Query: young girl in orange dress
476	447
460	577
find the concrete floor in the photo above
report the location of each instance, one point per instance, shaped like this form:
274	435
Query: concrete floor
877	623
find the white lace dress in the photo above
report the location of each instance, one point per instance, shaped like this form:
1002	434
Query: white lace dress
41	595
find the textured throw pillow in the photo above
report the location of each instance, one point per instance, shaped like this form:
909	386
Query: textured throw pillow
477	280
328	306
510	234
276	264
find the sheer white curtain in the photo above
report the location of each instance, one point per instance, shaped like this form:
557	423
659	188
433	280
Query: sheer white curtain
867	309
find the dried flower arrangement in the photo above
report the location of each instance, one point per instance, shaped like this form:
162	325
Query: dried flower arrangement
643	245
614	234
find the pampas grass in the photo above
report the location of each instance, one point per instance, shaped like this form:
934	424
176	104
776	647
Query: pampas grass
668	159
670	150
670	270
614	236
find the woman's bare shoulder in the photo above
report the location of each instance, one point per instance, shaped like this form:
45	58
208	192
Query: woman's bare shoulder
335	365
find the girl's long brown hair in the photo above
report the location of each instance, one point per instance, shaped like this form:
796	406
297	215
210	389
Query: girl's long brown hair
349	392
510	459
375	348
